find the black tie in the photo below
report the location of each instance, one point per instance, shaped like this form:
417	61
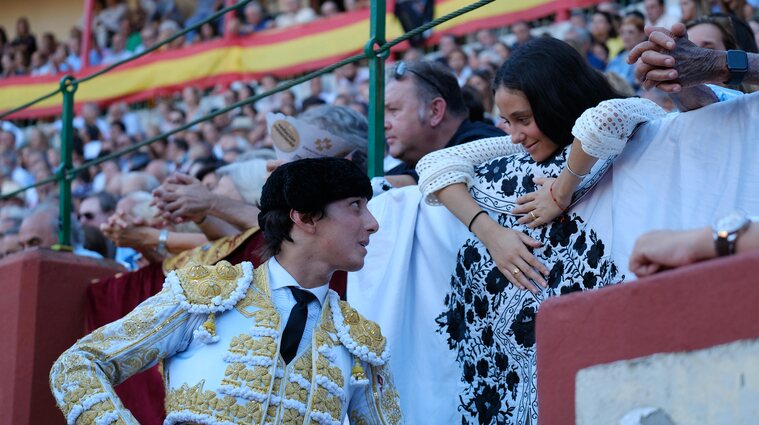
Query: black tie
295	323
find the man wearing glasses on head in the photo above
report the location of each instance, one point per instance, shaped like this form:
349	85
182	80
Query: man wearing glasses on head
425	112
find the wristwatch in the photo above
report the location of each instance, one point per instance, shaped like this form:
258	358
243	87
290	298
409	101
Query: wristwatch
737	65
726	231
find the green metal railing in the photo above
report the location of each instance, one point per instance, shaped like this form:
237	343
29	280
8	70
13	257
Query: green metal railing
376	50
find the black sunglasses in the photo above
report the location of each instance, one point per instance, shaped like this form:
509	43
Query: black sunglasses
400	70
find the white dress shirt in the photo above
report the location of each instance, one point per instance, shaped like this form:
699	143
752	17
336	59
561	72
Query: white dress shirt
284	301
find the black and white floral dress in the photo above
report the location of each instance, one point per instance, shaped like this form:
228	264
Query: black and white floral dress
490	323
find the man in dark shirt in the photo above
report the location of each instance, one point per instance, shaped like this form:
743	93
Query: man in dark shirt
425	112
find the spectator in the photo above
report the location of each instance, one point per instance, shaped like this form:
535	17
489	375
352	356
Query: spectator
203	9
712	33
656	14
106	22
446	46
486	38
10	242
329	8
457	61
40	231
424	112
632	34
521	30
165	31
7	65
48	44
25	42
581	40
740	8
3	39
578	19
40	64
503	51
481	81
291	12
95	209
693	9
117	52
256	18
604	30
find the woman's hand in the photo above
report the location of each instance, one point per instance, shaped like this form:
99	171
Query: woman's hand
511	252
539	207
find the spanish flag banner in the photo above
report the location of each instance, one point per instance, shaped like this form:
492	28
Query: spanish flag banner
284	52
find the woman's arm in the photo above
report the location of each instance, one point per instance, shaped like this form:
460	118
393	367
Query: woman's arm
508	248
600	132
456	164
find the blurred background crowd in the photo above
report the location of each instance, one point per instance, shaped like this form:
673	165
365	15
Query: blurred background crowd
118	216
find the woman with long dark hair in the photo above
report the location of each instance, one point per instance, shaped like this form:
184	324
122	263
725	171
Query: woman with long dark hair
525	238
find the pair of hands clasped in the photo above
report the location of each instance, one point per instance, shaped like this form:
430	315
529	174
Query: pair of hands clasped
511	249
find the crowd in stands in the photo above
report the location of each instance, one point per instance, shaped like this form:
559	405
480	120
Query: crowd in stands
495	109
119	31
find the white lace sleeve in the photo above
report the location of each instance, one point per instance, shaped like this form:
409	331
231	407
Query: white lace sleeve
456	164
604	129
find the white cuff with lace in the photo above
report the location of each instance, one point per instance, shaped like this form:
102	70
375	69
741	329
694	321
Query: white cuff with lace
604	129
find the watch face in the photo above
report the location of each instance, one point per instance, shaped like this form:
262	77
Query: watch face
732	222
737	60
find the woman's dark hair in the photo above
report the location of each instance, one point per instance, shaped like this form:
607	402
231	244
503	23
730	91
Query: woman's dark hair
558	83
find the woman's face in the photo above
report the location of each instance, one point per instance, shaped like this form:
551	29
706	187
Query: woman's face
600	27
519	122
688	9
631	36
706	35
479	83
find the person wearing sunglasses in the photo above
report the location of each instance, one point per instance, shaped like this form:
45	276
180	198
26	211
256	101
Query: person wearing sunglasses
425	112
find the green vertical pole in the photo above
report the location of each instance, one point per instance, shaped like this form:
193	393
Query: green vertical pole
68	87
376	89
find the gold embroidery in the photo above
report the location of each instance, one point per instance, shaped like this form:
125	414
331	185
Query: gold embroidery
193	399
363	331
208	255
248	345
201	284
389	398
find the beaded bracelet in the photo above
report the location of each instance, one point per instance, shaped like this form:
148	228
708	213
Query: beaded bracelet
471	222
550	190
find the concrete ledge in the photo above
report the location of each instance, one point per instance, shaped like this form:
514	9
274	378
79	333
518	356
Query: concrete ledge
696	307
41	315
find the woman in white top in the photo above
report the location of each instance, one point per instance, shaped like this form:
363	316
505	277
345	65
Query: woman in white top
524	183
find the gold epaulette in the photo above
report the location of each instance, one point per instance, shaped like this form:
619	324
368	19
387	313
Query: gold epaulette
209	253
210	289
362	337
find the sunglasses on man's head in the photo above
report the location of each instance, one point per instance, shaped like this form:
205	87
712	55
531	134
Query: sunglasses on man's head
400	70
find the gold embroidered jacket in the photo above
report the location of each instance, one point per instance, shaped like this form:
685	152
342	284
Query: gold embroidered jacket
219	334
